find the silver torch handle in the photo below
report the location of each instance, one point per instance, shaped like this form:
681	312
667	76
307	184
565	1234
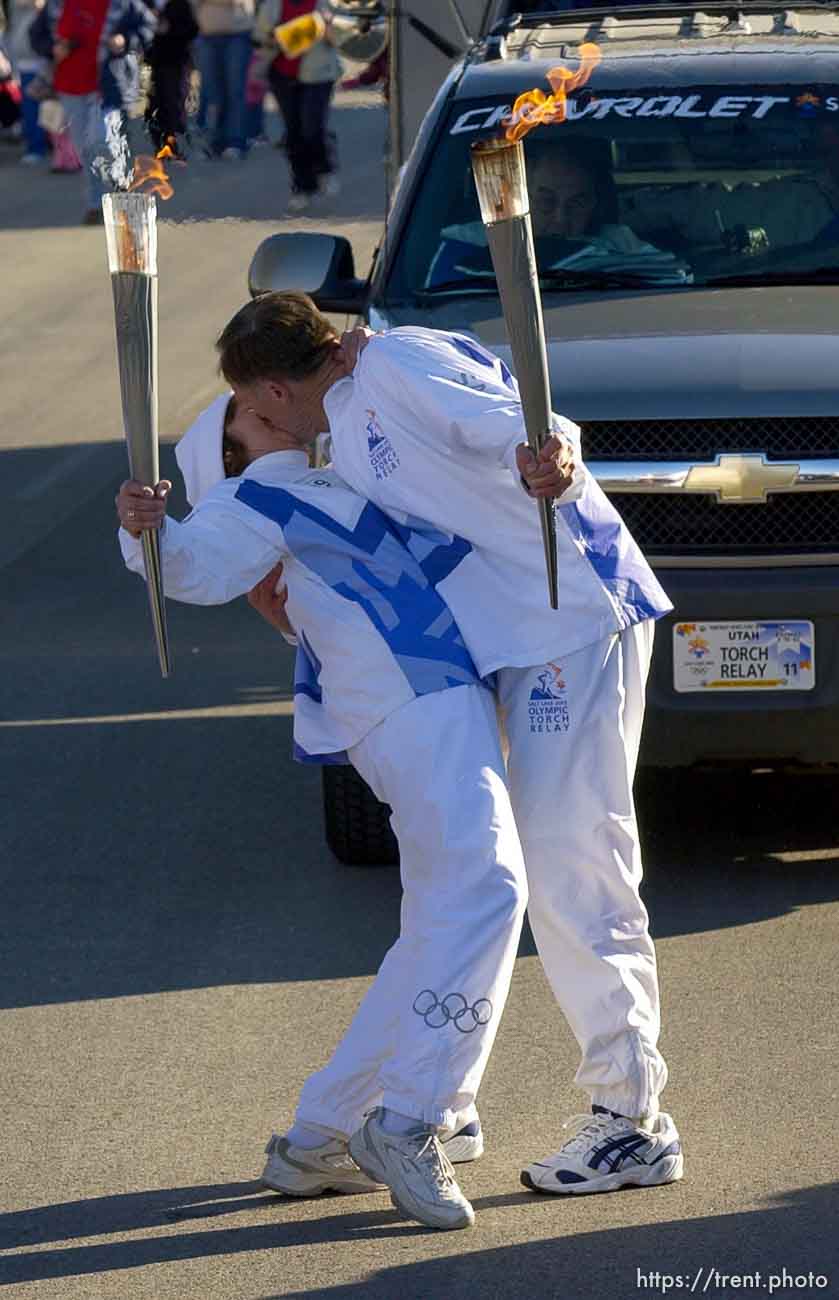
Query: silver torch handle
130	228
498	168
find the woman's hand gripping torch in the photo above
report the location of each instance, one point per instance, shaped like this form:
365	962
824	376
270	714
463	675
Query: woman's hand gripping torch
498	168
131	232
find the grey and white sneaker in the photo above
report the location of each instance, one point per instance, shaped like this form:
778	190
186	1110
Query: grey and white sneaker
416	1169
301	1171
608	1151
465	1145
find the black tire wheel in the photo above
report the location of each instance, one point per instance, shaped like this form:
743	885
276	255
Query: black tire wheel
357	824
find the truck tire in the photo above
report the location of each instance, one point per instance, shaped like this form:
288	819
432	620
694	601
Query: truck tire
357	824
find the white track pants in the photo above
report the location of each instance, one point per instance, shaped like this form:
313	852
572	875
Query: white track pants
421	1038
574	729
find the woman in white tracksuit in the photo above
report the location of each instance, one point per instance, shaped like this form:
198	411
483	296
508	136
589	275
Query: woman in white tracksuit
428	425
383	680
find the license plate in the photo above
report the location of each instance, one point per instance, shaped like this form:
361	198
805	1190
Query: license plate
764	656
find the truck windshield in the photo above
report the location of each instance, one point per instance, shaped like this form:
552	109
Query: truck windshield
710	186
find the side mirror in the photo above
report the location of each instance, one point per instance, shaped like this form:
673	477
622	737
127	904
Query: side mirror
320	265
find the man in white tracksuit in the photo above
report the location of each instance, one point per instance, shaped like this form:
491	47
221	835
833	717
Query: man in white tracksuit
383	680
429	424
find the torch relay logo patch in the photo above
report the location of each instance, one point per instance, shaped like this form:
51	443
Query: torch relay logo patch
548	704
383	458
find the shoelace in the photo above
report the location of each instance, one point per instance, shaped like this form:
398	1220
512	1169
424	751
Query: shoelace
434	1159
588	1129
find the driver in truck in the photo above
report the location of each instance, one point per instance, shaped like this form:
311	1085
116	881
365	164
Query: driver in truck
575	220
384	681
430	423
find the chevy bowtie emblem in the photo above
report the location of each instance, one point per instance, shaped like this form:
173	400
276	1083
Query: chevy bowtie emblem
736	479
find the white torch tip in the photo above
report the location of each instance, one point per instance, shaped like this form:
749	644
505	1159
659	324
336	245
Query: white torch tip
131	232
500	179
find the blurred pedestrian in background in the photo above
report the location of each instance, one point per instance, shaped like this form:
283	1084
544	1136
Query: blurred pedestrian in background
10	95
95	47
27	67
224	51
170	60
256	88
44	125
376	73
52	119
303	89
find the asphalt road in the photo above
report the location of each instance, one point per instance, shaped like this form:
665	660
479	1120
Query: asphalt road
179	949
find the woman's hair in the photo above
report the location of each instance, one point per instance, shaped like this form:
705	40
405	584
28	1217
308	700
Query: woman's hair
233	454
275	336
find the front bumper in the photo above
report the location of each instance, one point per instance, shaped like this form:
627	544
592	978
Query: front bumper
800	727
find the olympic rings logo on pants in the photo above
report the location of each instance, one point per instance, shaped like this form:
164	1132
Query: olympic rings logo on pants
452	1009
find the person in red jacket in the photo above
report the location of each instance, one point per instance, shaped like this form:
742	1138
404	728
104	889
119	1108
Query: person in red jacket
303	89
94	46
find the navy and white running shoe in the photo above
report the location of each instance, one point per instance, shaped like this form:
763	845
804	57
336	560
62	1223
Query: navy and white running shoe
606	1152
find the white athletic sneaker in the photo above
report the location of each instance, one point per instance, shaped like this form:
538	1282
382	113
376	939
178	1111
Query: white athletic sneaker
417	1171
300	1171
465	1145
607	1152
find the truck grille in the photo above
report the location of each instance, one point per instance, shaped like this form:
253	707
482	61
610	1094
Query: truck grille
682	524
781	439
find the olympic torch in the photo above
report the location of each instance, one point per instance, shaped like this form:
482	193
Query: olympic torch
131	233
501	182
498	168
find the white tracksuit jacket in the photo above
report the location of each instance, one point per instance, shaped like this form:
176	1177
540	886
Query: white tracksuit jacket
373	632
427	427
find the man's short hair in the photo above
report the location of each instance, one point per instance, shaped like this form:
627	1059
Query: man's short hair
275	336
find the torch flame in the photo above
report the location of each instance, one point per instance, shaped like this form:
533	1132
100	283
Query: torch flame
150	173
150	177
535	108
